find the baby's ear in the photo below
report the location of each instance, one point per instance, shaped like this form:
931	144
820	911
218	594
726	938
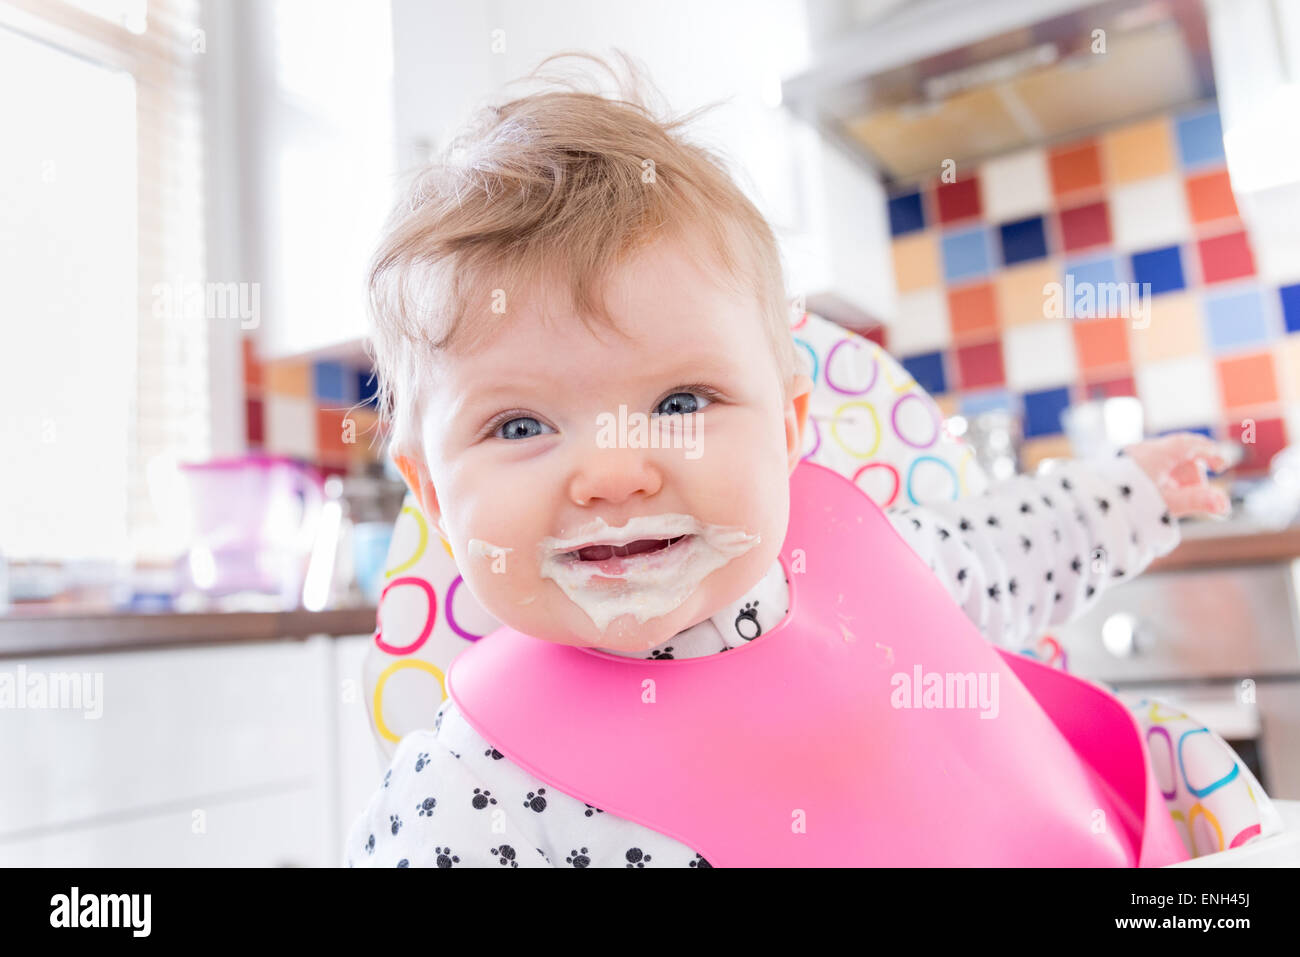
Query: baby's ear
417	480
796	417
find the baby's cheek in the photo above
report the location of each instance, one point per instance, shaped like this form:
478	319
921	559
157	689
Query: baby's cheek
502	581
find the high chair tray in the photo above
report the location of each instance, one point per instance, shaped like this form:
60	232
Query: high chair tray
1280	850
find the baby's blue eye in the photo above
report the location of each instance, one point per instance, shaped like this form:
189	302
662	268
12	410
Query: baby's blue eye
683	403
524	427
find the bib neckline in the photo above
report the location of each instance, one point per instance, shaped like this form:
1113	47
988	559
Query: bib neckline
776	631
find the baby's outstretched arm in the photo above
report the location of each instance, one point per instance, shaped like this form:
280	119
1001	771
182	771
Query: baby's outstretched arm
1037	551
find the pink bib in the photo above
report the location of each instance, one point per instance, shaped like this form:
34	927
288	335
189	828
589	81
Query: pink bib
813	745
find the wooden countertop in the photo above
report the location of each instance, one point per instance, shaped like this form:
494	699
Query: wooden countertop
1242	548
28	634
34	631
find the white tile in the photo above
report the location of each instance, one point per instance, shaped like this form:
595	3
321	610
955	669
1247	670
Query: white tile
1039	355
1151	212
1015	186
922	324
290	426
1178	392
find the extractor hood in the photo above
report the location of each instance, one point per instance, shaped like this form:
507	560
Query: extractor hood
983	77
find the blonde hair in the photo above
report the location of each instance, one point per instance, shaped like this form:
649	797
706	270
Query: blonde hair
561	185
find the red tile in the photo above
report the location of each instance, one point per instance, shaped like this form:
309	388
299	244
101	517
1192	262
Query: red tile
1112	388
1269	438
981	365
1226	257
254	419
876	334
1085	226
959	200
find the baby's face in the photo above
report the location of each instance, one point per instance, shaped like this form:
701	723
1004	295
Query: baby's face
534	474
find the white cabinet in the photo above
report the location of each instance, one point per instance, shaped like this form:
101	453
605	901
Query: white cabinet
238	755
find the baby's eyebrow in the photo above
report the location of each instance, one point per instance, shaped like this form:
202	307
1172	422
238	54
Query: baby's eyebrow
699	366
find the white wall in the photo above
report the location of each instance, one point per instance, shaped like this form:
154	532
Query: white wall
828	213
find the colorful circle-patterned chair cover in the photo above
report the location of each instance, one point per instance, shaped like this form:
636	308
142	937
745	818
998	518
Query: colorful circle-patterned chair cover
869	420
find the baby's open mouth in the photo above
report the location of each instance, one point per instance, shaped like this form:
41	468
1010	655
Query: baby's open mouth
600	553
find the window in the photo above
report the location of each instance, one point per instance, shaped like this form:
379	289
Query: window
101	219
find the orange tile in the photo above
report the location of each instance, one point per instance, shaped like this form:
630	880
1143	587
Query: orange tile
1139	150
1075	167
1020	292
329	432
973	311
1174	329
366	444
1247	380
916	261
287	378
252	366
1209	197
1101	342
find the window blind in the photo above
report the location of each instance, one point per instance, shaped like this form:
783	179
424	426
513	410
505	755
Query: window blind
105	369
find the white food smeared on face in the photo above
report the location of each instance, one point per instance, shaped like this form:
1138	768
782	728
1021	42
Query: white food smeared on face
645	568
481	549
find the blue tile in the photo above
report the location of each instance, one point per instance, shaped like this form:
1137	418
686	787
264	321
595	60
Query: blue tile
328	381
1200	139
1043	411
965	254
1089	281
906	214
1201	429
1291	307
1093	271
927	370
367	386
1236	319
1023	240
1162	268
991	400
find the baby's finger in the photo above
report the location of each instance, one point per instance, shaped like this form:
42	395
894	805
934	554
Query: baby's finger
1192	446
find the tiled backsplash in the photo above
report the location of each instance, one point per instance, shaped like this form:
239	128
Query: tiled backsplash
322	412
1010	277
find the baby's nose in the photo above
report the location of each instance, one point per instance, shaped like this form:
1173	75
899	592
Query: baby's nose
614	475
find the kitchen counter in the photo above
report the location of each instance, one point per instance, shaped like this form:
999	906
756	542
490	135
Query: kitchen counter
36	630
1229	543
31	633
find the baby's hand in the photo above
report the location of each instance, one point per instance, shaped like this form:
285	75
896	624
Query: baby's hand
1176	464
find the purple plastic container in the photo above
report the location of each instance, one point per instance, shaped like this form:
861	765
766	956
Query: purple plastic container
252	523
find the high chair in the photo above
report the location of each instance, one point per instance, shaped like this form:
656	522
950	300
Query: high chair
869	420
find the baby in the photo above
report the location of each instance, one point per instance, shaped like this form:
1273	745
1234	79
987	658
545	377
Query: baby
574	265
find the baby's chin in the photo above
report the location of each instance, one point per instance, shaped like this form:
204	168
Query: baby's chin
626	635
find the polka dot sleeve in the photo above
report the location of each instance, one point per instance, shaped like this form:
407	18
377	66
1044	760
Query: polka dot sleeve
1035	551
